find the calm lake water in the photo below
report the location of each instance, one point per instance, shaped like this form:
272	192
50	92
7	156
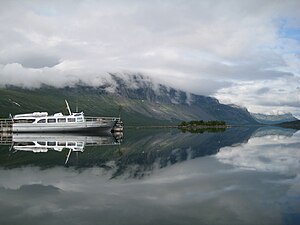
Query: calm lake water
246	175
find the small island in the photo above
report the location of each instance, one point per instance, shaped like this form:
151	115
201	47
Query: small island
200	126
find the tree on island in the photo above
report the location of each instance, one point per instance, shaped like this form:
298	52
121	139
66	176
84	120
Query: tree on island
202	123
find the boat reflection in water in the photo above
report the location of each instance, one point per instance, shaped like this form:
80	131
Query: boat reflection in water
42	142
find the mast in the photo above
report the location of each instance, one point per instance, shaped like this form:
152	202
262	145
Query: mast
68	107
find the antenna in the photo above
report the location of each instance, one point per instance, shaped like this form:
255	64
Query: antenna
11	117
77	105
68	156
11	147
68	107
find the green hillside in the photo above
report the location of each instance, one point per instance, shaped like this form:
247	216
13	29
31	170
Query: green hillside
140	105
91	101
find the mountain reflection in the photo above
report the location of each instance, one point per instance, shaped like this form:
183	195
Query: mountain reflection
141	152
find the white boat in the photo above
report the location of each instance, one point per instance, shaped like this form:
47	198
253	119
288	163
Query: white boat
74	122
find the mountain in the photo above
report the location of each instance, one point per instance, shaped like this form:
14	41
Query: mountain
273	119
141	100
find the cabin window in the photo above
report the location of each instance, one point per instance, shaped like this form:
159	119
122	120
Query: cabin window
71	120
41	143
24	144
61	120
51	120
79	119
24	121
42	121
71	143
51	143
61	143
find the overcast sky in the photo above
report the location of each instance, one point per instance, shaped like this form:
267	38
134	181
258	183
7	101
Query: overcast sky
243	52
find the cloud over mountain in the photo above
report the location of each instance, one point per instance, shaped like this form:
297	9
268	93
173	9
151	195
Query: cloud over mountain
207	47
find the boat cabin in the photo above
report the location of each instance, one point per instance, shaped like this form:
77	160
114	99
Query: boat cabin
43	118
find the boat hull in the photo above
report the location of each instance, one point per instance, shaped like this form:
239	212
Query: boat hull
57	128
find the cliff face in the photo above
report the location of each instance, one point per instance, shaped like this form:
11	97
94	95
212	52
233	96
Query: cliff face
141	100
165	102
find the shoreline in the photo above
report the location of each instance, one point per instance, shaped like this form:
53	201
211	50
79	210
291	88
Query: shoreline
176	126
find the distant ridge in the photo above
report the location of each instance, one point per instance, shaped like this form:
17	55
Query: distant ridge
274	119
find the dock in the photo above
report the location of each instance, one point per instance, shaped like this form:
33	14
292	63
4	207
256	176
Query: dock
5	138
5	126
5	131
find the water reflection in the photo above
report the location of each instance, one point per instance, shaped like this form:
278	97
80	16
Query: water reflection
143	150
268	150
58	142
243	175
44	142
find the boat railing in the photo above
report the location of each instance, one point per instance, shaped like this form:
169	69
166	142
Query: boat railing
6	120
94	119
